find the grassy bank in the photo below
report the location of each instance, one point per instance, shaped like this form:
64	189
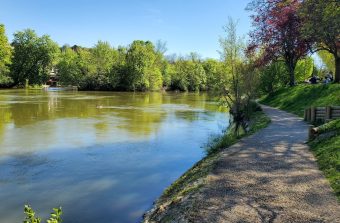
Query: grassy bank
296	99
194	178
326	146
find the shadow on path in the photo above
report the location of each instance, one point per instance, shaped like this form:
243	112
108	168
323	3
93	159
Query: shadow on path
270	176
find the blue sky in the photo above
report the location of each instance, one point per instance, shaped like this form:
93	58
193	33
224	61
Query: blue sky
186	25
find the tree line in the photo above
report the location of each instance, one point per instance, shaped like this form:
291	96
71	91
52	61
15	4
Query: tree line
140	66
285	33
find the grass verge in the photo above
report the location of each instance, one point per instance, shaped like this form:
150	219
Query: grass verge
327	152
296	99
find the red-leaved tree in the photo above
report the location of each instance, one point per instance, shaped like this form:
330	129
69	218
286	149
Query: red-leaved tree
278	32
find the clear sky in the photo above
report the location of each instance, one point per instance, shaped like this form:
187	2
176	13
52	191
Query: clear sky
186	25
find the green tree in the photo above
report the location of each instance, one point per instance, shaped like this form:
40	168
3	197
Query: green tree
141	71
304	69
272	77
212	70
33	57
231	88
5	58
119	69
322	26
196	76
103	56
69	69
179	75
162	63
187	75
328	59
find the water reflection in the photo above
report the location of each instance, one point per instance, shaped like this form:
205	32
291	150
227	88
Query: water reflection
103	156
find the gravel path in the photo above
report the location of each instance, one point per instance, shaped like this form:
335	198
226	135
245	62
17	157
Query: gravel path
270	176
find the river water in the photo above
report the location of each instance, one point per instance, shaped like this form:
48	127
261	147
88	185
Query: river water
103	156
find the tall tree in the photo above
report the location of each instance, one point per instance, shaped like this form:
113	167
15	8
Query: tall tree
322	25
68	67
33	57
278	32
142	72
230	87
5	57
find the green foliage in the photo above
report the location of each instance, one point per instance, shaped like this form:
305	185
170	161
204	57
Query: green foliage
297	98
5	58
213	70
304	69
237	84
273	77
30	215
328	154
328	59
33	57
55	216
322	26
102	59
139	67
188	75
141	70
69	71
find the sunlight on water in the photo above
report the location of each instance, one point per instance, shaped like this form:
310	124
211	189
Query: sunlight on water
102	156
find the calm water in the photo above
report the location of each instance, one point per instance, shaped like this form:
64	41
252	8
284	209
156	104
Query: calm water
104	157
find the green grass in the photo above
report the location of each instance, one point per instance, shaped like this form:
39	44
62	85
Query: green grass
326	150
296	99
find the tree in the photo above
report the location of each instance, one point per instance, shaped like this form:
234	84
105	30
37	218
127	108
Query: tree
162	63
212	70
187	75
230	87
68	67
142	73
272	77
103	57
322	25
278	32
327	59
5	58
304	69
33	57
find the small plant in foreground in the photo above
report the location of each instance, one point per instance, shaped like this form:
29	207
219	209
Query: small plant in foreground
32	218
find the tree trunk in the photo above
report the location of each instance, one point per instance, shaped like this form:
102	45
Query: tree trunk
337	69
291	75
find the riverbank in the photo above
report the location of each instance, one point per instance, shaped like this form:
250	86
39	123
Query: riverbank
325	149
183	189
270	176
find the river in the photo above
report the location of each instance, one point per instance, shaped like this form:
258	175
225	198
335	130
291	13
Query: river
103	156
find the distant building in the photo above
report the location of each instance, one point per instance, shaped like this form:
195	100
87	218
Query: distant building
53	77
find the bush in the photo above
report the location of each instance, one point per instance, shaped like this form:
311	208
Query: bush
31	218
